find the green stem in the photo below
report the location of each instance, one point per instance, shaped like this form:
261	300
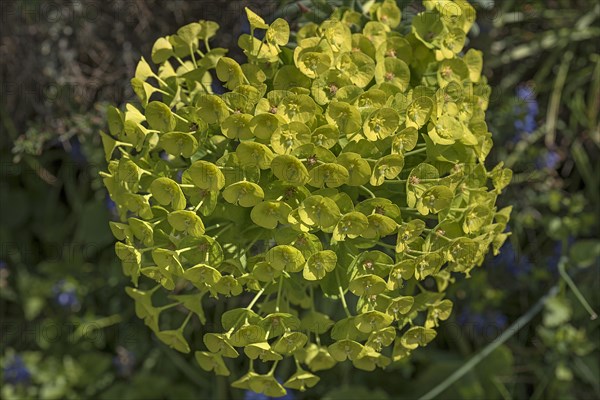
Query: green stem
198	206
182	63
563	273
185	321
255	299
507	334
387	246
342	297
279	294
181	118
554	106
413	152
363	187
273	367
225	229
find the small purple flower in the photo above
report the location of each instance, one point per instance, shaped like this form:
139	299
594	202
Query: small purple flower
250	395
557	252
550	160
16	372
514	262
111	206
75	151
481	322
526	110
65	295
179	176
124	362
217	87
4	273
164	155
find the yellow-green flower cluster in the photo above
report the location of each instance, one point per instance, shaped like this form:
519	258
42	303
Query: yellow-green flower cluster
347	169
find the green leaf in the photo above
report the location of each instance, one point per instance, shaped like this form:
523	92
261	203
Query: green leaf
387	167
160	117
252	154
166	191
393	71
268	213
345	116
289	343
254	20
320	211
245	194
131	260
162	50
206	175
212	362
381	123
289	169
237	126
328	174
179	143
219	343
367	285
186	221
372	321
159	275
142	230
234	318
278	32
174	339
418	112
350	225
359	170
345	349
474	61
247	334
319	264
167	260
301	380
405	140
316	322
285	257
109	144
417	336
192	302
435	199
389	13
212	109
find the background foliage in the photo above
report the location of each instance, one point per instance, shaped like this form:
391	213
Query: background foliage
69	330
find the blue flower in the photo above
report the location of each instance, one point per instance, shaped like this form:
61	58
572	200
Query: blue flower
65	295
16	372
75	151
250	395
217	87
514	262
526	110
557	252
480	322
111	206
179	176
550	160
124	362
